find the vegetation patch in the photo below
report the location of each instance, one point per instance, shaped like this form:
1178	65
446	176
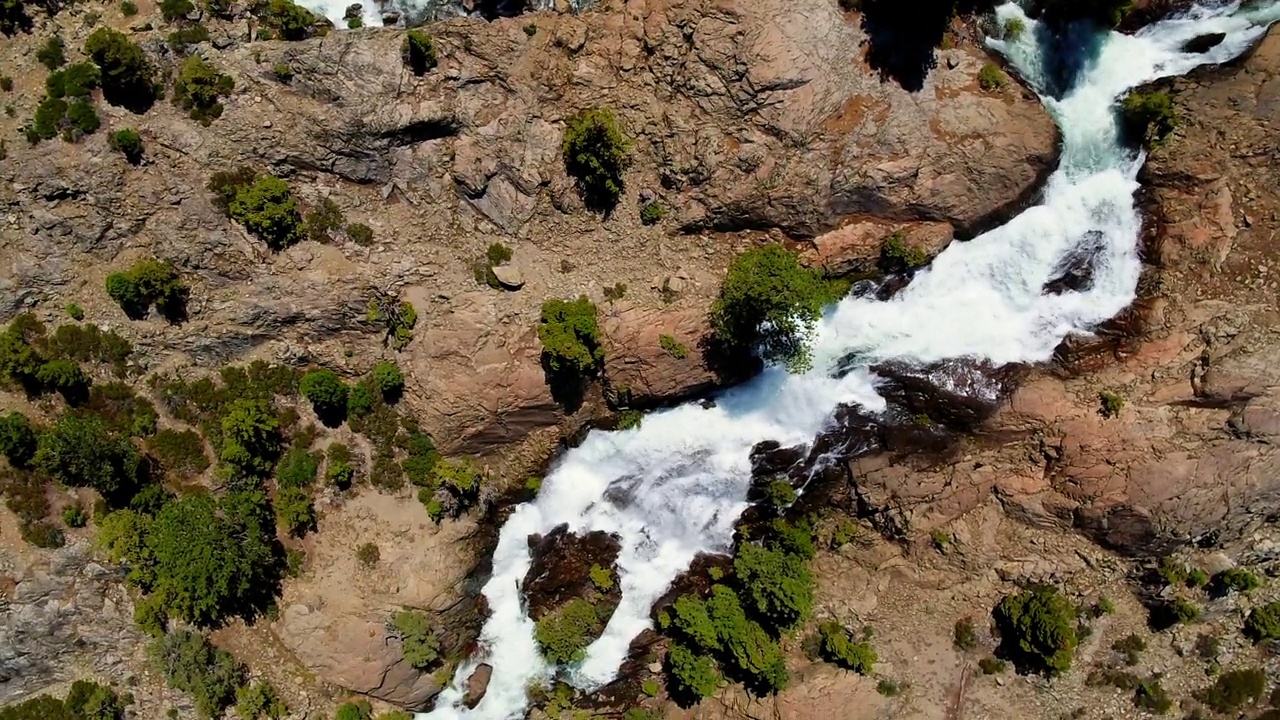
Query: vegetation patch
1148	118
128	79
673	347
897	257
418	642
397	319
127	142
770	303
837	646
190	664
596	154
267	208
419	52
570	336
1037	630
147	283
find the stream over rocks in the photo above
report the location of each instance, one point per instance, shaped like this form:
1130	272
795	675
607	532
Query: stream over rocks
931	357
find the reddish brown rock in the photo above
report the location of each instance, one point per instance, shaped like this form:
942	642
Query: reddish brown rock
644	371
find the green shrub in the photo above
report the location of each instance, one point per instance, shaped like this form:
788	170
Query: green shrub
897	257
260	701
461	477
791	538
179	452
211	558
747	650
1111	404
182	38
629	420
176	9
298	468
146	283
570	336
965	637
86	343
128	143
1235	580
47	121
43	535
226	184
328	395
673	347
53	53
565	634
17	439
85	700
418	642
779	494
1148	117
1263	623
1013	28
768	301
360	233
356	710
6	85
991	77
250	439
82	452
1037	629
991	666
189	663
128	8
368	554
397	318
199	87
73	81
596	154
324	218
295	511
67	379
389	381
1183	610
836	645
692	676
419	52
1131	646
651	213
284	73
268	209
775	586
340	471
1233	690
360	400
291	20
74	515
127	76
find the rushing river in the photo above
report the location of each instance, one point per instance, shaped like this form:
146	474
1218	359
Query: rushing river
673	487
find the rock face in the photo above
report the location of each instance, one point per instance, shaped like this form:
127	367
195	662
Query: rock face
1192	455
334	618
561	569
739	120
61	614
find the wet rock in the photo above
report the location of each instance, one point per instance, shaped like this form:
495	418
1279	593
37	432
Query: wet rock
770	458
509	276
477	685
1075	272
959	394
1204	43
353	10
561	568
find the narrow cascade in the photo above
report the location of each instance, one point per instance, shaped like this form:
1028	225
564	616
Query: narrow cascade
673	487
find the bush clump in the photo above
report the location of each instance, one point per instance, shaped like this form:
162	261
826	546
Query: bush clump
250	440
180	453
147	283
1233	690
323	219
291	20
837	646
328	395
418	642
651	213
268	209
397	318
127	77
260	701
17	439
82	452
389	381
209	674
199	87
897	257
775	587
294	511
1234	580
1263	623
127	142
419	52
991	77
564	635
1037	629
67	379
570	336
53	53
769	302
1109	405
693	676
1148	118
596	154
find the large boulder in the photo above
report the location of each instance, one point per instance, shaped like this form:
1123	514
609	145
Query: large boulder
656	356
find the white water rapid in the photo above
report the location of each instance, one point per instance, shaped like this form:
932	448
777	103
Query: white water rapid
673	487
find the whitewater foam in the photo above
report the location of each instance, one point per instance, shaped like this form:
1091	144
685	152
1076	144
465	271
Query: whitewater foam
673	487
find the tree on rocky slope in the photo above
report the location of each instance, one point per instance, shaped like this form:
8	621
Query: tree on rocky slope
128	78
596	154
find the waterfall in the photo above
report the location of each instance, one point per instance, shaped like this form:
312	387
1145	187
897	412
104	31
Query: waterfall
673	487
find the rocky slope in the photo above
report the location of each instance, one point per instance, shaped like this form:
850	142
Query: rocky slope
744	127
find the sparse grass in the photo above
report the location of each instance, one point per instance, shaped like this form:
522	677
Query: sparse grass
368	554
965	636
673	347
992	666
889	688
1110	404
1131	646
991	77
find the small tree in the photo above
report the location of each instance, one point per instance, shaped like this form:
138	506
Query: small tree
596	154
82	452
268	209
1263	623
1149	118
294	511
199	87
328	395
250	439
389	380
53	53
189	663
260	701
17	439
291	20
419	52
149	282
838	648
570	336
65	377
770	303
127	76
777	587
564	634
1037	629
418	642
128	143
176	9
693	676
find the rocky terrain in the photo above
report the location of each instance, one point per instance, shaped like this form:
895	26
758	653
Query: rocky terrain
750	121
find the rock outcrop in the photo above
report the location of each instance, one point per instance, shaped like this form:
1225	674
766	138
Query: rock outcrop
743	115
1191	456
